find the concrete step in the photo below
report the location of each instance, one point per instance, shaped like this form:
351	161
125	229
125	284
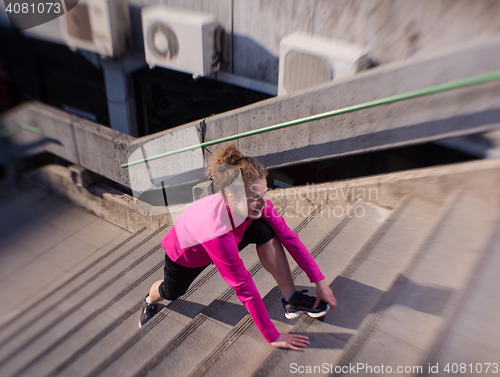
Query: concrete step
358	288
89	282
44	242
75	280
28	211
468	342
20	201
86	326
246	344
58	325
8	191
211	324
406	324
121	335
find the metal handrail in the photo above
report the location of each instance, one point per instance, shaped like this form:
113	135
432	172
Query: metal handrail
479	79
9	131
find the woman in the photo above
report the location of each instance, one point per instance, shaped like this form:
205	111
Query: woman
213	230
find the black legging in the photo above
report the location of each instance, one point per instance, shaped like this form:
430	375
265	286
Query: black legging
177	279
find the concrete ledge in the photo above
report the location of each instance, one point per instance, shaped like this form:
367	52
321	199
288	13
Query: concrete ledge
95	147
481	178
99	199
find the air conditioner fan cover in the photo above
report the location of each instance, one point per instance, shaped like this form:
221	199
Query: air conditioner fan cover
162	41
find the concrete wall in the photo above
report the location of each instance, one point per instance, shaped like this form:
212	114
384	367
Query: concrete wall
434	184
453	113
392	29
88	144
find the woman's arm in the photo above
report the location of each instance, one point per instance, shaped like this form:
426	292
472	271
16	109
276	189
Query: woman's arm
300	254
224	253
292	243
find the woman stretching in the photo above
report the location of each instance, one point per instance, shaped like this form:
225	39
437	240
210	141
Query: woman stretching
215	228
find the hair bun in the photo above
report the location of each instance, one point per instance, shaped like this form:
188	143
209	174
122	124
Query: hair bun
234	159
250	168
229	155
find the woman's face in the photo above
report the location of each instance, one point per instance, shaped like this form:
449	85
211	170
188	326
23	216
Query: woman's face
256	197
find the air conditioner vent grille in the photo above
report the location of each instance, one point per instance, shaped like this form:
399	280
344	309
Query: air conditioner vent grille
79	23
100	26
308	60
304	70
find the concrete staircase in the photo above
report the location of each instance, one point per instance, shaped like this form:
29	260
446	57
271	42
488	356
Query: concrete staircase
415	284
396	295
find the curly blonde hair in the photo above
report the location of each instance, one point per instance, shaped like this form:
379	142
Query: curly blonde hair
250	168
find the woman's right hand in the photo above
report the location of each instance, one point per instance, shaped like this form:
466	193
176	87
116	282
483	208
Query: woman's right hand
291	341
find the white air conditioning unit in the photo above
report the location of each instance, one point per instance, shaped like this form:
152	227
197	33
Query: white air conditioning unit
101	26
307	60
180	39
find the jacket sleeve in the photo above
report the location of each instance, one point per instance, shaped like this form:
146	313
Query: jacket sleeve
292	243
224	253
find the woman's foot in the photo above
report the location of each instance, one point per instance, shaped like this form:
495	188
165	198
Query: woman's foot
148	312
302	303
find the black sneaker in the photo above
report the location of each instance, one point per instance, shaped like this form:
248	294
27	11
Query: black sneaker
302	303
148	312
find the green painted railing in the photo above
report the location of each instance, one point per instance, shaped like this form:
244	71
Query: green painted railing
492	76
9	131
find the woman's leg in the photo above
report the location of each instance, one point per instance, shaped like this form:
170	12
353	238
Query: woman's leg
154	295
273	259
175	283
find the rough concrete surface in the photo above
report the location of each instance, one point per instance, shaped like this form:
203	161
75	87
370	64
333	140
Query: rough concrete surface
393	30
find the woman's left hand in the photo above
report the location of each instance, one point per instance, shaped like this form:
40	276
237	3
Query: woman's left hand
323	292
291	341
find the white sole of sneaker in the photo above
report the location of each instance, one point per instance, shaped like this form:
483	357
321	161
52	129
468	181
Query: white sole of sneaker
292	315
313	315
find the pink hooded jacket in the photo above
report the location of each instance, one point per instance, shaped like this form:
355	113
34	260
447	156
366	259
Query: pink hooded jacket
203	234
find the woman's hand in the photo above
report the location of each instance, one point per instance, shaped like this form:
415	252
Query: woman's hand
291	341
323	292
